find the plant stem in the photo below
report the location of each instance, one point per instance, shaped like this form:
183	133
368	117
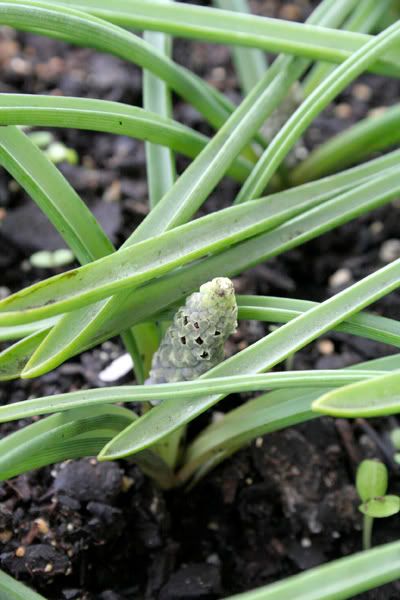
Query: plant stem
368	523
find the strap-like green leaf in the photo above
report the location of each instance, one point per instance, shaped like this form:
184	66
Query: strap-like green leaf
85	30
53	194
250	64
364	18
72	434
320	98
193	187
337	580
144	302
226	27
102	115
11	589
380	397
282	310
180	390
352	145
160	164
139	263
269	412
261	356
14	358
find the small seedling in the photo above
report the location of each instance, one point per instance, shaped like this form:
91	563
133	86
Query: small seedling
58	152
55	151
372	484
45	259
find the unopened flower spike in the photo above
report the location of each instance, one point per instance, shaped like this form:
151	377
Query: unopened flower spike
194	342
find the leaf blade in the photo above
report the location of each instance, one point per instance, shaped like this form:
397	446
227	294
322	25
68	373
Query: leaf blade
262	355
382	397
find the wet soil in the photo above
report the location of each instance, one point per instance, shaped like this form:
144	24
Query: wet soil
90	531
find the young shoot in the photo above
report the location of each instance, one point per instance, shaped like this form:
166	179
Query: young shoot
372	484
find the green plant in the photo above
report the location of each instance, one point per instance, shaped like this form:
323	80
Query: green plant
372	484
134	290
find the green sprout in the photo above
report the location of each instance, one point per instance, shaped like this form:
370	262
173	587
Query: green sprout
55	151
45	259
371	485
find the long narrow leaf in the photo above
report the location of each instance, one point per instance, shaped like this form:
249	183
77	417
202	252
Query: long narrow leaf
103	115
59	437
53	194
337	580
357	142
185	389
161	174
226	27
17	332
381	397
250	64
261	356
282	310
269	412
141	262
11	589
206	171
14	358
85	30
272	309
160	164
366	15
148	300
312	106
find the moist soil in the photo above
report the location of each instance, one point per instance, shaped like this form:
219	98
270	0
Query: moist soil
89	531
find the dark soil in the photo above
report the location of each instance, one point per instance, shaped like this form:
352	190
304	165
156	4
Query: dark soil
87	531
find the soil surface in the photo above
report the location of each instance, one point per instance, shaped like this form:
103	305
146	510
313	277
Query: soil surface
89	531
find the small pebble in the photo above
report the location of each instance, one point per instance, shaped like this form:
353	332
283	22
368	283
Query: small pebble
218	74
326	347
339	278
117	369
343	110
4	292
113	192
389	251
376	227
291	12
20	66
127	483
13	186
362	92
5	536
42	526
213	559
